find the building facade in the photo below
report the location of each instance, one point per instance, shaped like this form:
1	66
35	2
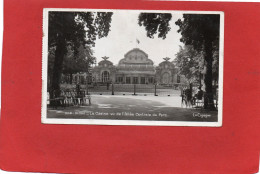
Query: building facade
136	68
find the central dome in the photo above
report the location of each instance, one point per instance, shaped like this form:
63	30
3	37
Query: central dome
136	56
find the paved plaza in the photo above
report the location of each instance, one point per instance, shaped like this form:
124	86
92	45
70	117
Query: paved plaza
128	107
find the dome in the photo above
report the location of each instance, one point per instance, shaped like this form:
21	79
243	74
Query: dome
105	62
166	63
136	56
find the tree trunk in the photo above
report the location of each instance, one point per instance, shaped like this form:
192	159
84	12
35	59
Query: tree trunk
208	97
200	79
71	77
57	68
191	89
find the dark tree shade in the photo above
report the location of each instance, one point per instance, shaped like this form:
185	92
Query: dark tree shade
72	30
199	30
81	63
155	23
202	31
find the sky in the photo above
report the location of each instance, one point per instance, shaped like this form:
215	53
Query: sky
124	34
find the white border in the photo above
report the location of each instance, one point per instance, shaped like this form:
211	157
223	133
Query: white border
46	120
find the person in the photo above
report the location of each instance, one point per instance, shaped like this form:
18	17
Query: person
188	93
197	96
78	89
186	97
183	96
200	94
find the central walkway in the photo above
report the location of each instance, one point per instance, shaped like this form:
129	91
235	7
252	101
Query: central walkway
156	101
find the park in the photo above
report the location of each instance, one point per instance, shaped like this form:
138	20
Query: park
167	70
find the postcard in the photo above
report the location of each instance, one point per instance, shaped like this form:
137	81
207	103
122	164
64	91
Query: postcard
132	67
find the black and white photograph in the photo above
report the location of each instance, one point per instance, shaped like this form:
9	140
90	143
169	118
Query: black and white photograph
132	67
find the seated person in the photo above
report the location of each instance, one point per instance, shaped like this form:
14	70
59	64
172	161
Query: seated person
199	94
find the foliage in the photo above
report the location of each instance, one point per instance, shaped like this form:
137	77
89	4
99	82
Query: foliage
68	31
199	30
190	63
155	23
215	63
202	32
78	27
79	64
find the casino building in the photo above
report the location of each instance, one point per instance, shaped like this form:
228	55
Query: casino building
136	68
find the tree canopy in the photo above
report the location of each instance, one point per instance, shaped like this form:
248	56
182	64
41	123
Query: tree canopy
80	63
78	27
70	32
190	63
199	30
155	23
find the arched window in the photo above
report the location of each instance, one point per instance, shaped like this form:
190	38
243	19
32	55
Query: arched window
105	76
166	78
178	79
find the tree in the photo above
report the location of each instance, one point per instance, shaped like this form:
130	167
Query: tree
80	64
155	23
71	30
199	30
190	63
202	31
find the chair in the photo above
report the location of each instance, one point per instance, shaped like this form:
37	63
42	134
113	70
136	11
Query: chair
199	100
85	98
75	98
68	100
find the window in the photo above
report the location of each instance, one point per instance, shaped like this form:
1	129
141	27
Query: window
166	78
150	80
128	80
135	80
105	76
82	80
178	79
142	80
119	79
76	79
